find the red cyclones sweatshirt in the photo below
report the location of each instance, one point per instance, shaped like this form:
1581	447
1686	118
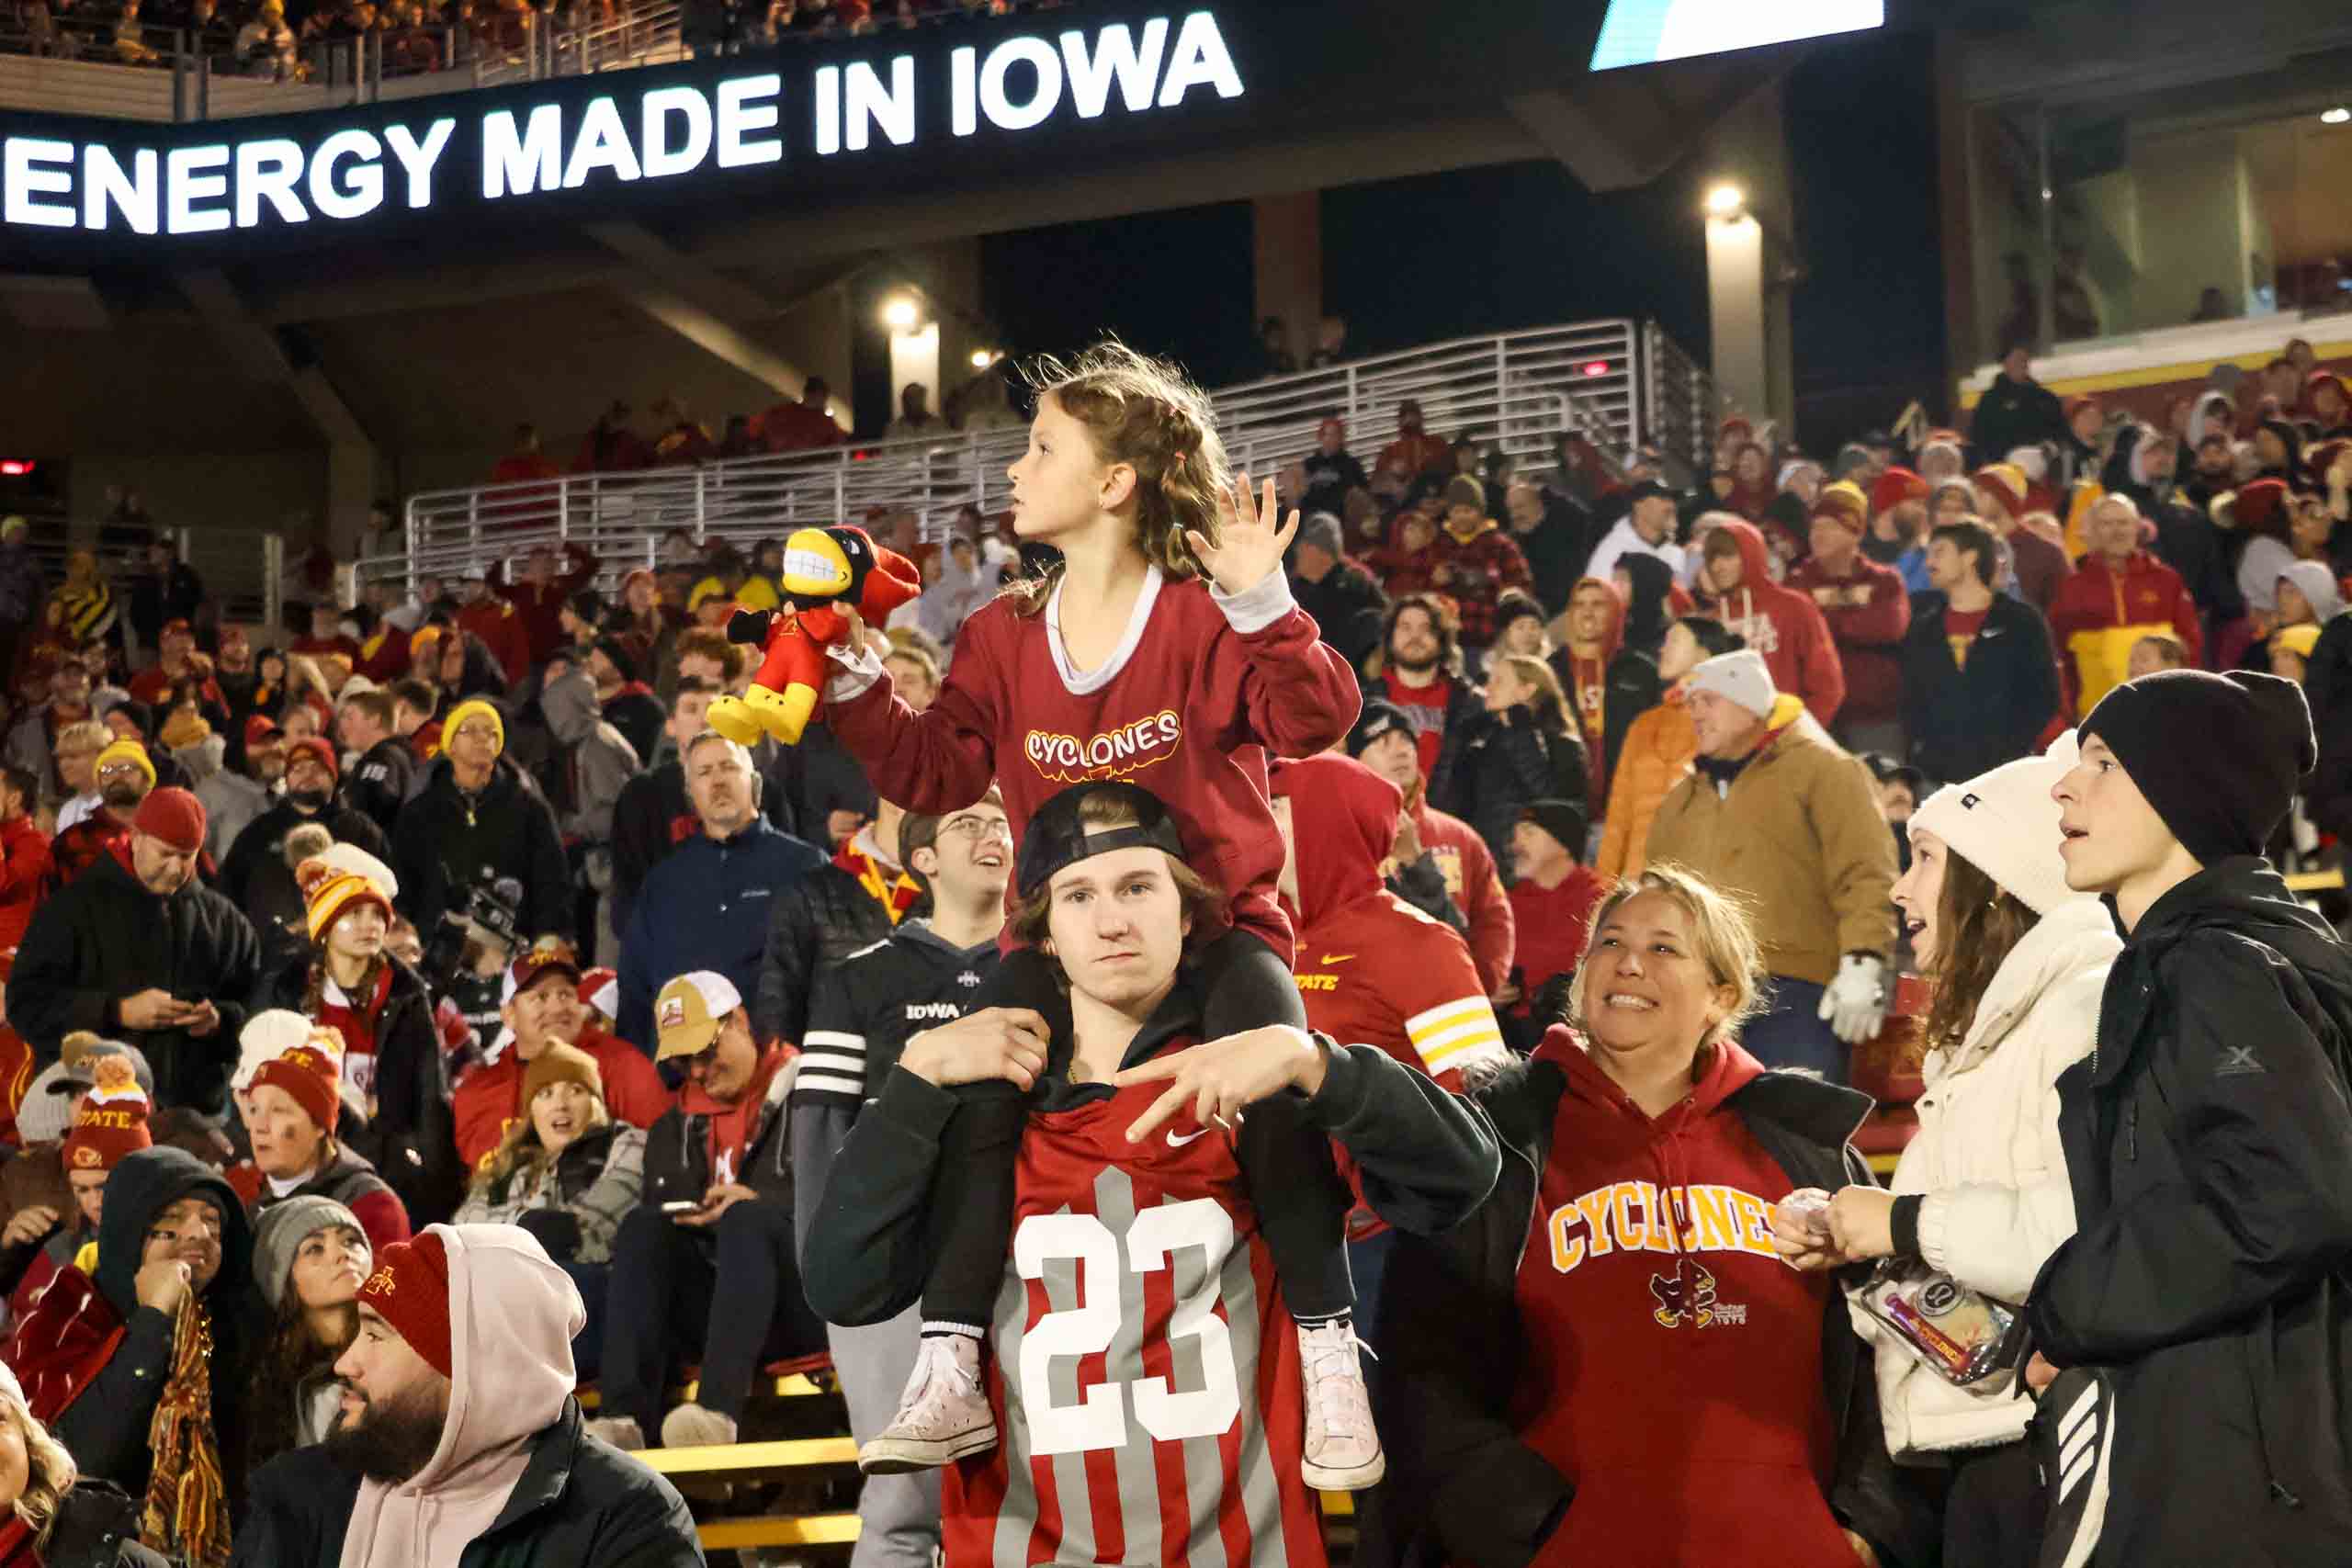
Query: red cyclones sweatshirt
1188	705
1673	1361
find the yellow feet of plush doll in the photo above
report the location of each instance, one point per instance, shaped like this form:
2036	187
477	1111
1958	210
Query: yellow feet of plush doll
759	710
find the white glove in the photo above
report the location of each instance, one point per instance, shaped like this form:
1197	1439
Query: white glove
1855	1004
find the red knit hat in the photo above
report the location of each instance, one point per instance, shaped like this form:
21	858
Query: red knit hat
1895	486
2249	506
315	746
312	1074
111	1121
409	1290
174	816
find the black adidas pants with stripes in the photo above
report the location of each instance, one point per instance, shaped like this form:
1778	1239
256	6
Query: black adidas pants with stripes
1302	1202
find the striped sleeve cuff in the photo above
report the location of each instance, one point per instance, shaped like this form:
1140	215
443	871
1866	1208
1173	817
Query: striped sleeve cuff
1453	1035
855	670
833	1067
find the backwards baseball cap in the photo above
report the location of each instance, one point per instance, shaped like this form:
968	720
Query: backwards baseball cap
409	1291
260	727
688	1013
1378	719
1059	836
1648	489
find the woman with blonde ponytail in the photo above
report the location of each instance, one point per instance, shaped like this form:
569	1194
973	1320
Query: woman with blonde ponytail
1165	651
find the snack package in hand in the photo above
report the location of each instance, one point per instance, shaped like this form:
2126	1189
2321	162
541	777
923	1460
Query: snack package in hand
1961	1335
1803	1214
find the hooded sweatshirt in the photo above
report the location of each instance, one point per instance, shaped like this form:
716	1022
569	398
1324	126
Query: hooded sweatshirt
511	1317
94	1361
230	800
2101	611
1784	625
1672	1368
1372	969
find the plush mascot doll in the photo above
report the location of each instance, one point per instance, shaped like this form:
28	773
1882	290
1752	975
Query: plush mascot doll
824	570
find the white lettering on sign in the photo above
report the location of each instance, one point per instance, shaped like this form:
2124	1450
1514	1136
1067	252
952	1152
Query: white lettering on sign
344	172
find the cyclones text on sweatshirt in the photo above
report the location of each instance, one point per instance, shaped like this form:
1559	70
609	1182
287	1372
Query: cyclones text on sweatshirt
1199	689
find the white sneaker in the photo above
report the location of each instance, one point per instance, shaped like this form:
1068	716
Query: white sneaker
1343	1450
621	1431
692	1427
944	1414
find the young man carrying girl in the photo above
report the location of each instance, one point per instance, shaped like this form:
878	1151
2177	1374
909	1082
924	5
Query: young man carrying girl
1142	1372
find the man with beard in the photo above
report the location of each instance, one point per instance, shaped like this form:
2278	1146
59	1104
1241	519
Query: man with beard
124	774
628	703
1422	676
137	950
255	876
459	1435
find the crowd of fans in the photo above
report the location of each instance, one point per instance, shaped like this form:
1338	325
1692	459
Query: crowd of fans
270	38
441	946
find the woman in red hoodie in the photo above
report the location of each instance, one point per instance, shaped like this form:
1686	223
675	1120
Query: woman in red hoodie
1607	1363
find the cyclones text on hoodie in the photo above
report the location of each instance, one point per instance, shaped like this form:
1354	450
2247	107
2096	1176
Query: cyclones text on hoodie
1201	688
1672	1366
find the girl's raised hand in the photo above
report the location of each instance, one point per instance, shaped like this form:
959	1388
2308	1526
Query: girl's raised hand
1251	546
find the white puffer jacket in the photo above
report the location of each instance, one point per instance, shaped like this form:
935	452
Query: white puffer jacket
1988	1156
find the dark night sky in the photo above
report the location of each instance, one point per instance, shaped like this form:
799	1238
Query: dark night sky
1523	245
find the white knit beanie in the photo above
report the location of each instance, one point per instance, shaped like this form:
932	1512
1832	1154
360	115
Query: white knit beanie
268	1036
2005	824
1741	678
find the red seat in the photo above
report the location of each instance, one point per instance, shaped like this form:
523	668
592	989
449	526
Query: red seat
1886	1066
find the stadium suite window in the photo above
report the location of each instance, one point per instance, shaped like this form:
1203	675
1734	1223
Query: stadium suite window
2100	220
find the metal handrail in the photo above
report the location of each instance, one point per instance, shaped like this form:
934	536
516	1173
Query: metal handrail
1517	391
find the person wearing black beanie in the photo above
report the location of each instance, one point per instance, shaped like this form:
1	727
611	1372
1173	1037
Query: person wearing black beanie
2207	1135
2218	757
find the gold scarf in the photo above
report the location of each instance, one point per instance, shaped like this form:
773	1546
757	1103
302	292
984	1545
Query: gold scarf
187	1512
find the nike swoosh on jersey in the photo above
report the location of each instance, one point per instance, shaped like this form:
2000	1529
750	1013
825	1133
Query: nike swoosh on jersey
1176	1143
1337	957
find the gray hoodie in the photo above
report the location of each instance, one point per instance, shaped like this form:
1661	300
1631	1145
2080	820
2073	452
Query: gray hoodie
602	757
230	800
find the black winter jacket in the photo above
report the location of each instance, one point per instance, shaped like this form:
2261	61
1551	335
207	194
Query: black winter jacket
411	1139
1450	1328
1964	722
2327	794
381	781
106	1426
1425	1158
819	920
2208	1139
1505	761
677	1153
579	1501
97	1526
1346	604
257	879
448	844
104	937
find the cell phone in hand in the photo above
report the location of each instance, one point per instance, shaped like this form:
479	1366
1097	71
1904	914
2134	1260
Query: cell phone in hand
682	1206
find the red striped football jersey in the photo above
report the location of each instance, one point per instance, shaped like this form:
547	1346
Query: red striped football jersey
1142	1366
